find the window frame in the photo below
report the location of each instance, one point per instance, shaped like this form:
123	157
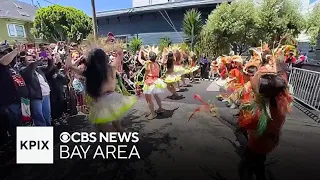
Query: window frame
15	30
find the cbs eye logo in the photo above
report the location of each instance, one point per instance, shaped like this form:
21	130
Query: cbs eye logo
78	137
65	137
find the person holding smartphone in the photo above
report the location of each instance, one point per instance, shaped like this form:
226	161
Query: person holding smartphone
39	89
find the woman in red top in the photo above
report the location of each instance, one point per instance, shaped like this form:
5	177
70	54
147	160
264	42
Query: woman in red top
153	84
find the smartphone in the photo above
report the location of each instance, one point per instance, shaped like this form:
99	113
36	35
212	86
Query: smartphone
43	54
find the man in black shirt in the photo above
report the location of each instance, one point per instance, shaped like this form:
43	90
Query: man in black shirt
13	89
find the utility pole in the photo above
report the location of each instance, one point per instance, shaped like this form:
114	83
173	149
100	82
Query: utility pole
94	19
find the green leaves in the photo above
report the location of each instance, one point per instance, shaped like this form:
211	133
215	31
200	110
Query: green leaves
164	43
192	25
313	24
242	24
59	23
279	17
135	44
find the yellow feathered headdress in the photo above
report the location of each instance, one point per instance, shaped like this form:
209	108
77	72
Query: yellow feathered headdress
237	58
149	49
257	52
172	49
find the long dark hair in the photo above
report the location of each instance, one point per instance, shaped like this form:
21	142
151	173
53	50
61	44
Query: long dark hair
97	72
170	60
152	56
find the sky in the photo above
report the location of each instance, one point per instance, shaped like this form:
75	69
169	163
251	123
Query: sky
85	5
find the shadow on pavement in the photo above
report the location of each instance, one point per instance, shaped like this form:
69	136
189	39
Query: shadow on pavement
183	90
176	98
166	114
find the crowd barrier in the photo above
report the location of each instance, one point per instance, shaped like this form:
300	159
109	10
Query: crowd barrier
306	87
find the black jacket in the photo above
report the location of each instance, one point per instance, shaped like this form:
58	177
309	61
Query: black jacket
57	79
29	75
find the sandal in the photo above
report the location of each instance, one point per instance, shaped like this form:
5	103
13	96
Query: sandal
151	116
159	111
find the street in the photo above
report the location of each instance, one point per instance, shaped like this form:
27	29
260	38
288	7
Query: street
172	148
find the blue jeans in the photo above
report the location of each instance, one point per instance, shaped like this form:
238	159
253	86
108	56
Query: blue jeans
40	111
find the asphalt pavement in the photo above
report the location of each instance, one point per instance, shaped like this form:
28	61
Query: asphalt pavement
173	148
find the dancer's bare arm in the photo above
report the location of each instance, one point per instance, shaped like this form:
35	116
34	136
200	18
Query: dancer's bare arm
143	62
73	65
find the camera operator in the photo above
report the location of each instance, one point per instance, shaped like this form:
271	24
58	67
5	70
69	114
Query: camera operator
39	89
13	90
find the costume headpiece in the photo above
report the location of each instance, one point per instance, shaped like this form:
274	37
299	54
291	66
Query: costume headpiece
236	58
151	51
103	44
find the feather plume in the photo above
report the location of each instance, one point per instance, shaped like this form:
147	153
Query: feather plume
205	107
149	49
102	44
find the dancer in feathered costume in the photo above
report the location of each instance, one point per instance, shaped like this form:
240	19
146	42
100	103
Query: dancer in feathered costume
223	73
153	84
178	66
235	81
193	67
171	77
108	105
264	117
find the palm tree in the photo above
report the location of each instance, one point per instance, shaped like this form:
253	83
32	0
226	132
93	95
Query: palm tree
135	44
192	25
164	43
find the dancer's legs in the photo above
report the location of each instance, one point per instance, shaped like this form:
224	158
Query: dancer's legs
117	126
183	80
159	103
151	106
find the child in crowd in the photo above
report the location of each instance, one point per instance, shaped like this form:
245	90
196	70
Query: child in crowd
79	88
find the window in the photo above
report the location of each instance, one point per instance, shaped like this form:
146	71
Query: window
15	30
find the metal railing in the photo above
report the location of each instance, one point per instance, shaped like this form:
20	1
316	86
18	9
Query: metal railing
306	87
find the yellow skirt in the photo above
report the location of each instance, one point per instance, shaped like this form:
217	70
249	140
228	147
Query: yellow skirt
110	108
158	87
172	78
179	70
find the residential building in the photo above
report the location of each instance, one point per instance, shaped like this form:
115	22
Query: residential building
16	21
152	22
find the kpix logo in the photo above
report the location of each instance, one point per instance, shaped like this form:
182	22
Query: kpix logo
39	145
34	145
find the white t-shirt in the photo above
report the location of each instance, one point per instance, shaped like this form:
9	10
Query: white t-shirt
45	88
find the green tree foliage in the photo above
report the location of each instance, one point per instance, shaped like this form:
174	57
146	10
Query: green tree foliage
192	25
135	44
313	24
164	43
56	23
278	18
242	24
228	24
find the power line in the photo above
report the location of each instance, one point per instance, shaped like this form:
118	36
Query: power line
50	2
